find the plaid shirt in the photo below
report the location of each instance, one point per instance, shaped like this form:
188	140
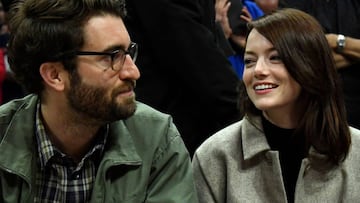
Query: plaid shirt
60	179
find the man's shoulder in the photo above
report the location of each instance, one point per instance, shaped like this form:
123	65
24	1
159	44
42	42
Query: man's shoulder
8	109
151	131
144	111
147	120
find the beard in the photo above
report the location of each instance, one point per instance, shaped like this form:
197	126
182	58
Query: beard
93	103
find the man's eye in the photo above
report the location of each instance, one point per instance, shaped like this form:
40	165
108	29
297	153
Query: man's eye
118	56
107	59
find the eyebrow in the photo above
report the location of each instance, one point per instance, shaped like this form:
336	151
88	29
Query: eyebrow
114	47
267	50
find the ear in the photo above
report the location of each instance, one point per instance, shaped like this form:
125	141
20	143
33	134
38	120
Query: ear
53	74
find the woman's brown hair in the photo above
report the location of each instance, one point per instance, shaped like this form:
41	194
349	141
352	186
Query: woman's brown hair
304	50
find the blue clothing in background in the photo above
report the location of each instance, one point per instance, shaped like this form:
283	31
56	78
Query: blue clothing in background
237	60
253	9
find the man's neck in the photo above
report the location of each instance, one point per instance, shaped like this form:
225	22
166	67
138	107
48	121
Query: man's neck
69	132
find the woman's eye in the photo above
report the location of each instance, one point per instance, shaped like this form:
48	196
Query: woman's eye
275	58
248	61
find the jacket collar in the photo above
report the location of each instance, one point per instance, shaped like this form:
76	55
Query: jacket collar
254	140
18	147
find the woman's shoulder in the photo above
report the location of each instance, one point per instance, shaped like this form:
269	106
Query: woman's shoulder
354	153
355	135
223	141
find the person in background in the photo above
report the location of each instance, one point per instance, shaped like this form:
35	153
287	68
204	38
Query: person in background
184	72
6	4
2	50
2	74
233	17
294	143
4	31
340	20
81	136
269	6
10	88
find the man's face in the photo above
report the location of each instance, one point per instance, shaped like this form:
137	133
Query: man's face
95	102
96	90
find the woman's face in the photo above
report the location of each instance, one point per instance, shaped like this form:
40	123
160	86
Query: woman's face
268	83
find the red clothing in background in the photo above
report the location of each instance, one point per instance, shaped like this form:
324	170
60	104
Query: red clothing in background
2	73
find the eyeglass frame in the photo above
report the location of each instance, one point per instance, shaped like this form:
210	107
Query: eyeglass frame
112	54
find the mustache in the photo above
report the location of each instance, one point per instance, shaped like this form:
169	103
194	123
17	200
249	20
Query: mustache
128	85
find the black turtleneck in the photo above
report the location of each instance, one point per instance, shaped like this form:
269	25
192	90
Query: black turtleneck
291	153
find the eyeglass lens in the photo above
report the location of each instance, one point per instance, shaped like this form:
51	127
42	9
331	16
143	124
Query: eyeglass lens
119	56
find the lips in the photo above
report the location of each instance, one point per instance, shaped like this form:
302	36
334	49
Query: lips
128	87
126	92
264	86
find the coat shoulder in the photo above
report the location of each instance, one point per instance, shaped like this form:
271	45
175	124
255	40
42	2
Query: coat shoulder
224	141
145	111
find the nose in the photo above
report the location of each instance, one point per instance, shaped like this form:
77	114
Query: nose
129	70
261	68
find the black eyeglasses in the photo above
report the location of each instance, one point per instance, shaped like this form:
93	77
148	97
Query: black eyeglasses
117	56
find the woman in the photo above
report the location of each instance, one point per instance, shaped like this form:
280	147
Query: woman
294	143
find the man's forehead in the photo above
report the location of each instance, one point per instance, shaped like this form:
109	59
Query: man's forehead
105	30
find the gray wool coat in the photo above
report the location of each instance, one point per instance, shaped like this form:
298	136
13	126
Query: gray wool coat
237	165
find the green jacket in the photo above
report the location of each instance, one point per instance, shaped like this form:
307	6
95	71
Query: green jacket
145	161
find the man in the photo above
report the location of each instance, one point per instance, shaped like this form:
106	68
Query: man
184	71
82	137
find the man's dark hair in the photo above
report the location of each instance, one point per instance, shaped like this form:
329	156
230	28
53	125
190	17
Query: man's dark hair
43	30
